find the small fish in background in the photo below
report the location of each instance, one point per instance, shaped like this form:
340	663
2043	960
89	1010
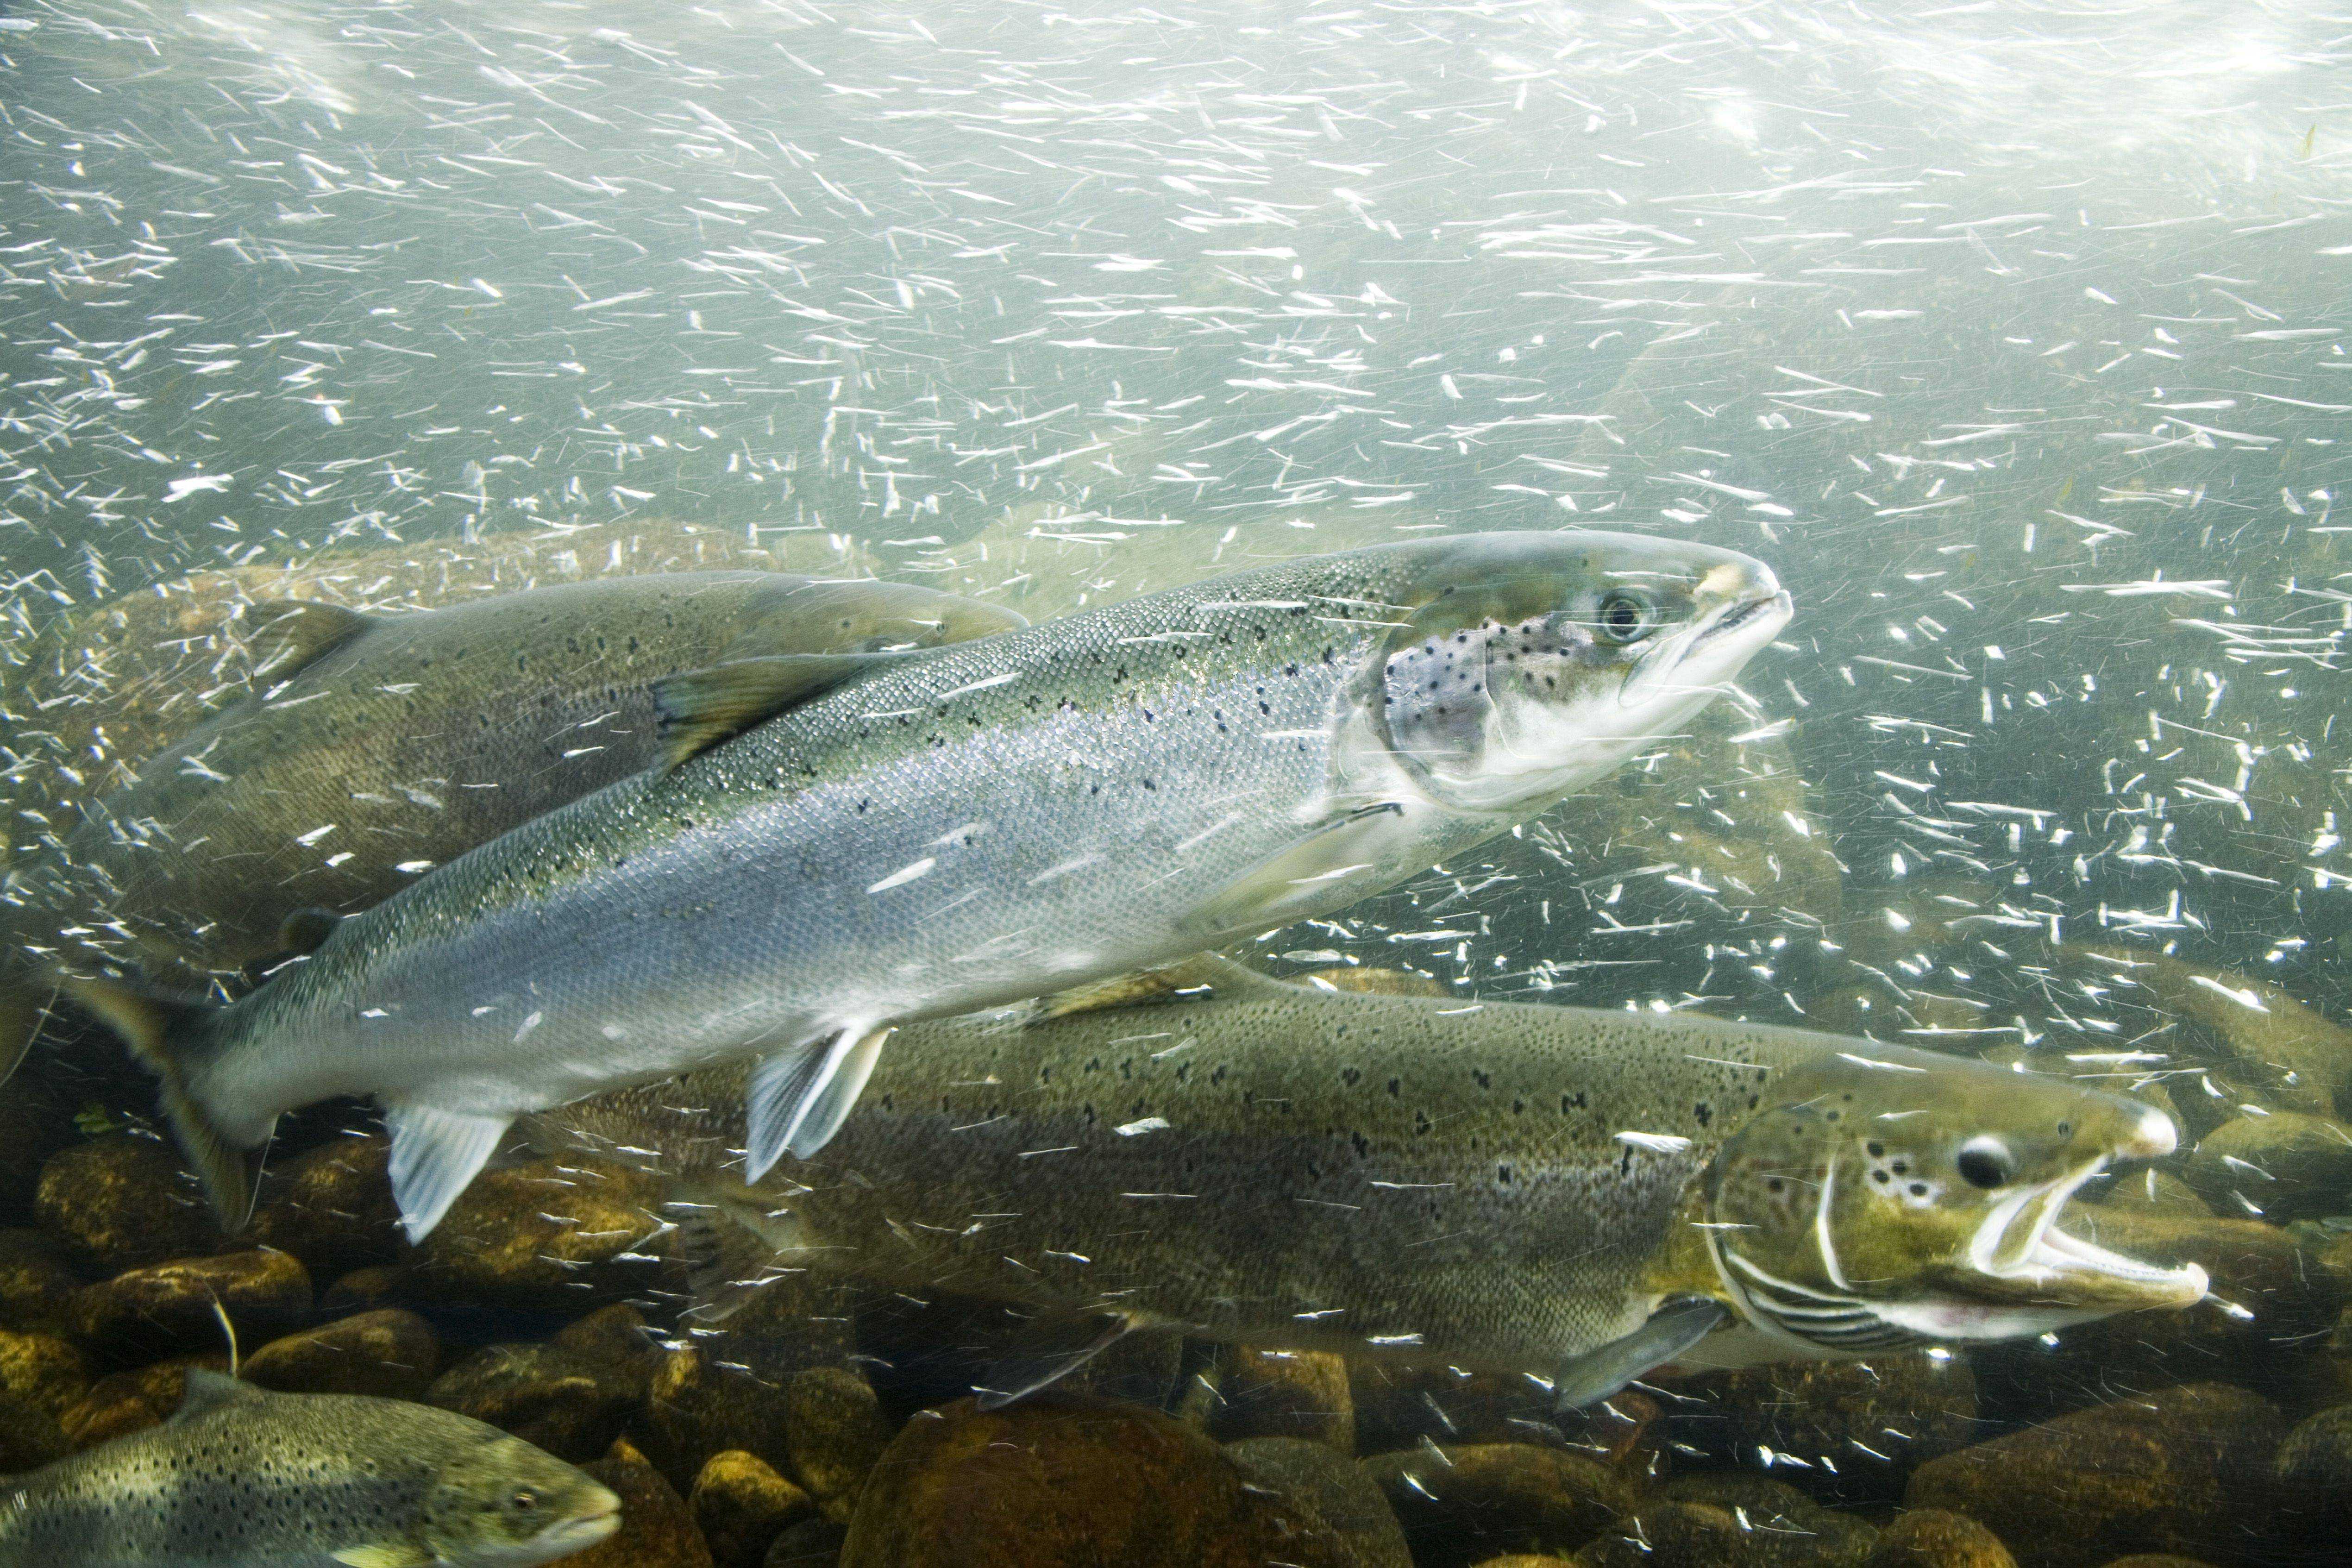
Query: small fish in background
1506	1186
840	846
241	1477
378	746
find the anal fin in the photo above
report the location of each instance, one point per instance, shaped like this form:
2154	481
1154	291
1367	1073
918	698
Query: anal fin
1050	1348
436	1153
1591	1377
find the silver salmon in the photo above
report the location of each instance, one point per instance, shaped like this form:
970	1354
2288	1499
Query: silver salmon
379	746
845	846
1506	1186
240	1477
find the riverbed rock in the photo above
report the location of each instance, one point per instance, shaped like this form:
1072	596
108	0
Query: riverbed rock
571	1404
1468	1501
43	1368
178	1303
1070	1481
545	1234
1668	1535
1283	1394
1873	1421
121	1202
1938	1538
657	1529
1778	1525
1317	1477
695	1407
2286	1165
809	1543
740	1504
2187	1471
132	1401
616	1333
391	1353
2314	1476
331	1207
1397	1406
29	1434
834	1432
37	1282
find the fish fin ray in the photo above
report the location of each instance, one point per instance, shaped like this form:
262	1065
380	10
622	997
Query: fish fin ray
1296	880
1591	1377
1049	1349
1186	980
384	1556
700	708
167	1035
287	635
208	1391
830	1106
436	1154
780	1091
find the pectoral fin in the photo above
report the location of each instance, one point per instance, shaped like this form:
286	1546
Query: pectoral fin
703	707
435	1154
285	635
1590	1378
1051	1348
386	1556
1300	880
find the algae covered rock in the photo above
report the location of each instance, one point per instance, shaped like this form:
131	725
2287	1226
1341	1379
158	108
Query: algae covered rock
1669	1535
181	1303
1283	1394
547	1234
44	1369
130	1400
1779	1526
30	1435
571	1404
740	1504
37	1282
1334	1489
123	1202
332	1207
2314	1476
1873	1421
2287	1166
1465	1502
834	1432
1070	1482
391	1353
696	1408
2185	1470
1936	1537
657	1529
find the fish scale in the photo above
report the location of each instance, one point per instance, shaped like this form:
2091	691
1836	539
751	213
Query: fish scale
956	829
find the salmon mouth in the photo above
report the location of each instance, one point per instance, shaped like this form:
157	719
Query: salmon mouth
2020	1257
1699	661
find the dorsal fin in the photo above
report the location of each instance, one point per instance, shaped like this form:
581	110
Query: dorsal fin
209	1391
285	635
1188	979
1373	981
703	707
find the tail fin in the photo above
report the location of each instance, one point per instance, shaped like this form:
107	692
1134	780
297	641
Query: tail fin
165	1032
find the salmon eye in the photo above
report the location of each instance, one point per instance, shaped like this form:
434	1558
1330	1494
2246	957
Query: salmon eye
524	1502
1626	617
1985	1163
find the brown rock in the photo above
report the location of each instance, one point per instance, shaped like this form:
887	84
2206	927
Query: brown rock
657	1530
1333	1489
571	1404
332	1207
1397	1404
2288	1165
174	1303
36	1119
811	1543
1525	1560
131	1401
1070	1482
121	1202
2188	1470
1933	1538
35	1281
1669	1535
548	1234
2156	1559
834	1432
1465	1502
44	1369
695	1408
1283	1394
1873	1421
391	1353
2314	1476
740	1504
29	1435
616	1333
1778	1526
366	1289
